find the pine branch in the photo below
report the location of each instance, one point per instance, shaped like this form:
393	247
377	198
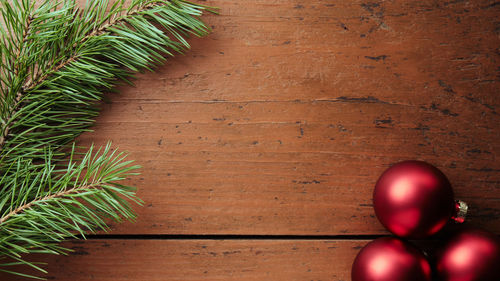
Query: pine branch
47	198
66	202
98	30
14	63
95	50
56	60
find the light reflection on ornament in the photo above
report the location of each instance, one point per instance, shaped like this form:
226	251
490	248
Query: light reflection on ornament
406	220
425	266
460	256
438	226
379	266
401	190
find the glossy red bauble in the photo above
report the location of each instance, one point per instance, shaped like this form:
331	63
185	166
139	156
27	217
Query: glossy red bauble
471	255
413	199
390	259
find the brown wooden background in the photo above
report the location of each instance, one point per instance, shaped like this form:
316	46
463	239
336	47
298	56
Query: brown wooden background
280	122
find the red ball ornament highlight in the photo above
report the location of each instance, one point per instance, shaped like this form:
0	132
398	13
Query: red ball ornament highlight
390	259
414	199
470	255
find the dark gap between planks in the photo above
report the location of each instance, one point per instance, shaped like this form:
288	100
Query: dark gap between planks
229	237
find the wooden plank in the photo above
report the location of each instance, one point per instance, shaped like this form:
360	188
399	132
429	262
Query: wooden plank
282	119
167	260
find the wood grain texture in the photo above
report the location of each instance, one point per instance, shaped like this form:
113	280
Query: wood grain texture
150	260
281	121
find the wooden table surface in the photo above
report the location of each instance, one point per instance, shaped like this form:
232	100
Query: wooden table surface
260	147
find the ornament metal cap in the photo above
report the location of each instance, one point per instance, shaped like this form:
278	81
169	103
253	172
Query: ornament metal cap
461	209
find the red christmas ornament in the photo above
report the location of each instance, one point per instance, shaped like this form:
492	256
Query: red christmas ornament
414	199
471	255
390	259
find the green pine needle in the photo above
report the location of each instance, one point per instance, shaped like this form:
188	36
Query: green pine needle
42	205
56	60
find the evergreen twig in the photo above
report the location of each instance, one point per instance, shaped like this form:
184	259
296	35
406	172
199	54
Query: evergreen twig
56	60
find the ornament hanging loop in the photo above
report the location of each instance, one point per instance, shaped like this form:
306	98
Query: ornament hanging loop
461	209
